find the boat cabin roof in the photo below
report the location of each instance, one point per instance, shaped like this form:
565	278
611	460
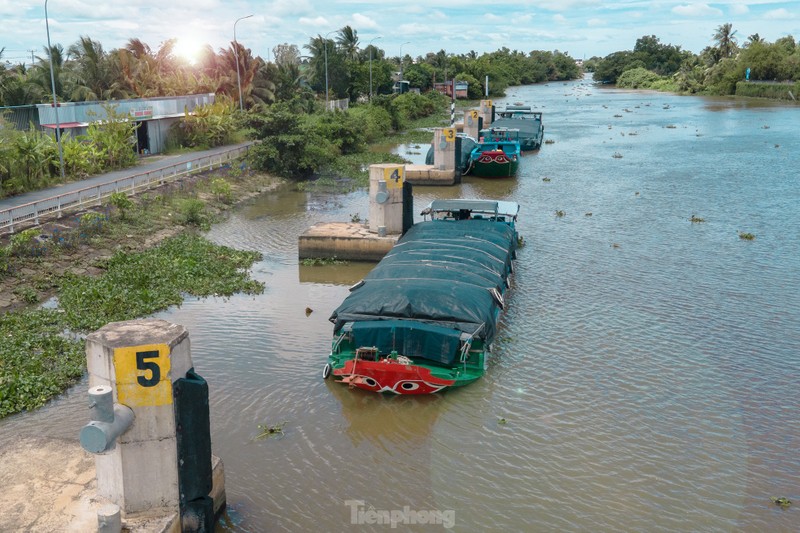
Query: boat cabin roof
489	208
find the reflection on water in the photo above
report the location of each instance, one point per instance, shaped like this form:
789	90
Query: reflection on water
341	274
647	367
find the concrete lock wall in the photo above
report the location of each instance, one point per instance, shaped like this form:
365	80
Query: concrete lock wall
386	198
140	360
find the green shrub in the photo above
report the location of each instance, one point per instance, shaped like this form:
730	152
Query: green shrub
222	190
193	212
121	201
25	243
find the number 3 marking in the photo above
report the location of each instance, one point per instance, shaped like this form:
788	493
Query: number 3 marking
152	366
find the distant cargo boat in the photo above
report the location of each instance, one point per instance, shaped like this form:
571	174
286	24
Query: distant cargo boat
528	122
425	317
496	154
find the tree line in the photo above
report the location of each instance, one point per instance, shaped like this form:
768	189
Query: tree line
718	70
85	71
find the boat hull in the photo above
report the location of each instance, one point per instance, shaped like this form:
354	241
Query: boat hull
390	376
494	165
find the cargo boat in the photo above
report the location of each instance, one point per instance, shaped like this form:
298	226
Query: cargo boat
424	319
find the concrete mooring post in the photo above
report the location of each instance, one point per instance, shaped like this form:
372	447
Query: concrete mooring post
472	123
386	199
444	148
486	112
162	462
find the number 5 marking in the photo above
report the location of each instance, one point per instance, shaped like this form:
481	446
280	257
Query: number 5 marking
142	375
152	366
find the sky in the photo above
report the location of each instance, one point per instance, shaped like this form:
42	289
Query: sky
581	28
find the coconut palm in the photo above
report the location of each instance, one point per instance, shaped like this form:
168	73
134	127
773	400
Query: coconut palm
726	42
92	78
348	42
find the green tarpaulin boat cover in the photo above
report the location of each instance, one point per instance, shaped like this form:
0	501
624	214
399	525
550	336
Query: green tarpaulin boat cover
440	275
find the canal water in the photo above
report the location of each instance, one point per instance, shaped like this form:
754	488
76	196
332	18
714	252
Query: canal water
646	375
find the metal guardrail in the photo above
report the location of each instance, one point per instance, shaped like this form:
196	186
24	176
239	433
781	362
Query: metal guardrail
56	205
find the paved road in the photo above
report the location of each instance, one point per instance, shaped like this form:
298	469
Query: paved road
149	163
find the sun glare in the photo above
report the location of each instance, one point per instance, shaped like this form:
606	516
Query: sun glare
188	48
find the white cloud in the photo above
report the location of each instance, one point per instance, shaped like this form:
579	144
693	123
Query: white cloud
316	21
362	21
778	14
595	22
493	18
290	7
559	18
696	10
739	9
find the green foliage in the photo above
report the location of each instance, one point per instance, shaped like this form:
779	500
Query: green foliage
25	243
81	158
93	223
209	125
113	137
193	212
121	201
638	78
222	190
289	147
342	129
139	284
36	360
375	121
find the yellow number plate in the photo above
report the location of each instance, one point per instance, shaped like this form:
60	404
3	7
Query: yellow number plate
143	375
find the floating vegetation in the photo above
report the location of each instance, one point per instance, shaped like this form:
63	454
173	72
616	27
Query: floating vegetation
502	420
269	431
633	133
323	261
309	311
764	127
355	218
520	241
588	214
549	141
615	245
617	155
696	219
617	116
782	502
670	126
546	179
746	236
560	213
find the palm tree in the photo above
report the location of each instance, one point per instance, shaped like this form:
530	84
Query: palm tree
348	42
753	39
92	79
726	42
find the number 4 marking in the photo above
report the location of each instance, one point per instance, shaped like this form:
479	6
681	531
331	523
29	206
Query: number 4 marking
144	365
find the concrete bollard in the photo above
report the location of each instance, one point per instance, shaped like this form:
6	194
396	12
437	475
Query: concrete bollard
109	519
486	112
386	198
444	148
150	427
472	124
109	421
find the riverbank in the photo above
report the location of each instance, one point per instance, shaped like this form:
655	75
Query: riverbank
119	261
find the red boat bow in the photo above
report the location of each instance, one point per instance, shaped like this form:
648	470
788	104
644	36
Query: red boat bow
390	375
